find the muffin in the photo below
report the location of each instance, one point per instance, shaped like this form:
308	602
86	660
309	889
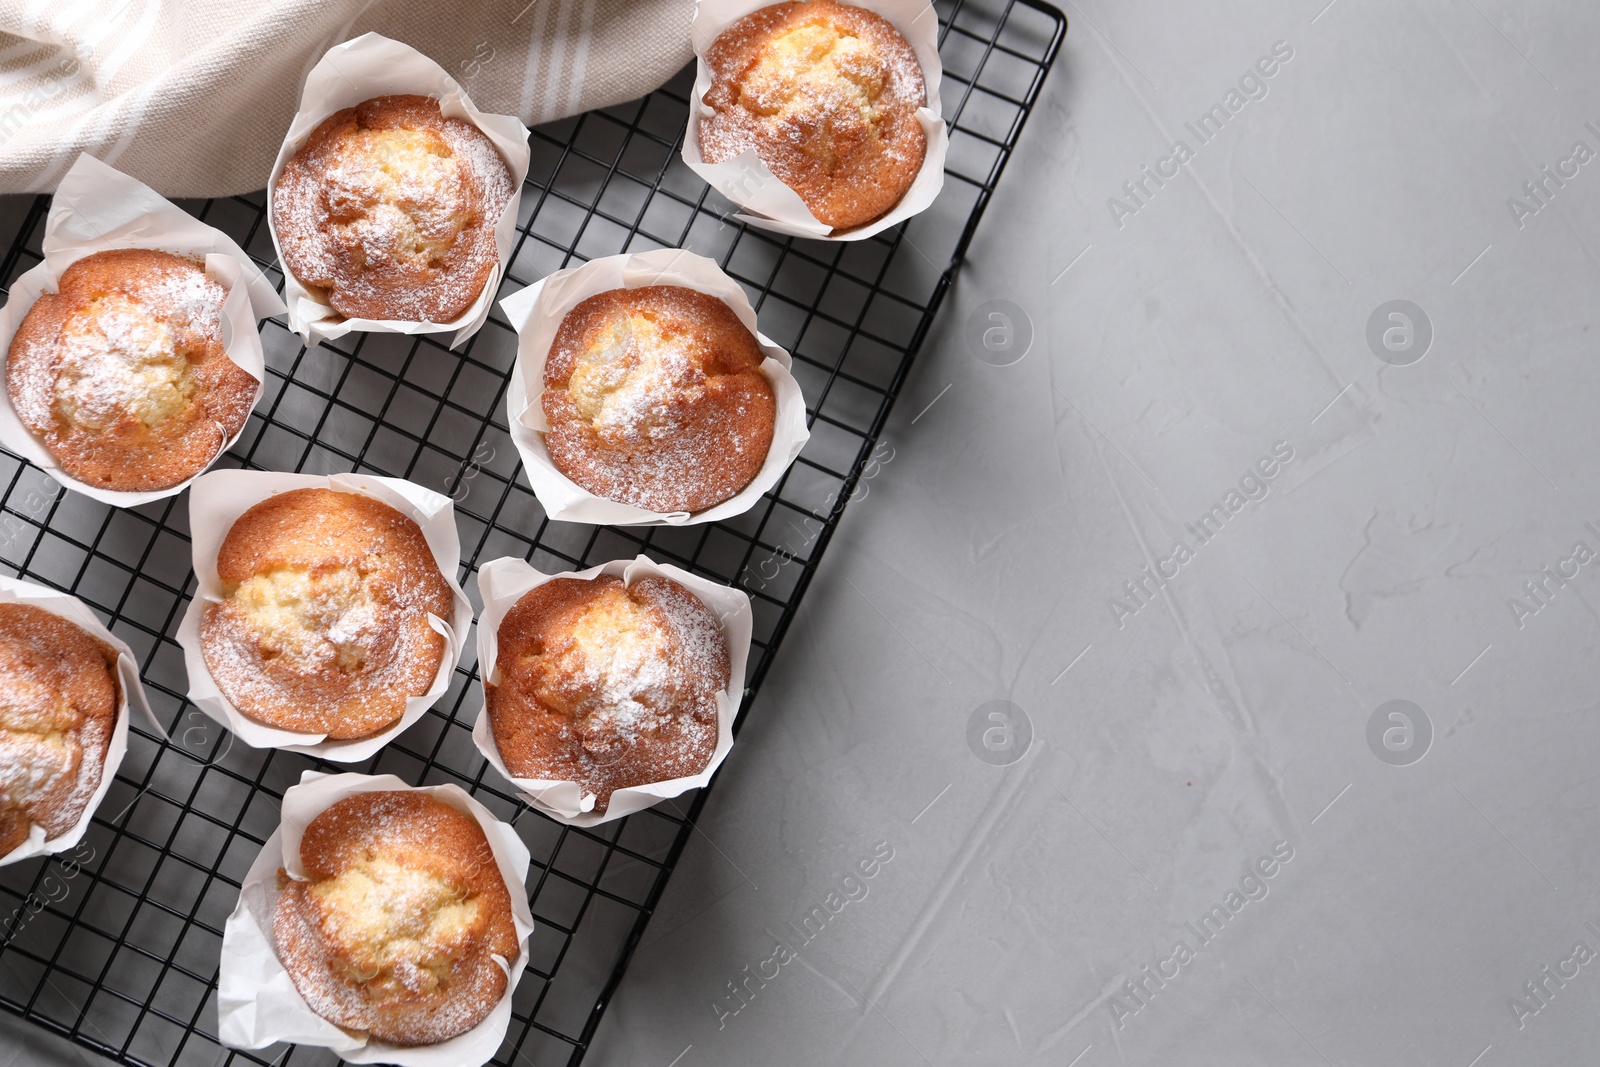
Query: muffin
323	622
396	930
827	96
607	685
122	374
58	704
389	211
655	397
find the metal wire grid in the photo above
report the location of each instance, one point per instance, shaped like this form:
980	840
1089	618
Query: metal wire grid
116	945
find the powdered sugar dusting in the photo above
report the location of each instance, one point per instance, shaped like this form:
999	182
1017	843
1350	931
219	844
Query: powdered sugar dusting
123	366
621	663
125	355
483	162
327	626
624	383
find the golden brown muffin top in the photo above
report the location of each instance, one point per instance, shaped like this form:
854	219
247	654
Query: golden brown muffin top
122	372
655	397
607	685
395	929
389	209
58	703
323	623
827	95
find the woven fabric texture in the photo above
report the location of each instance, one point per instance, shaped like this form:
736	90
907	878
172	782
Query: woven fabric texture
193	97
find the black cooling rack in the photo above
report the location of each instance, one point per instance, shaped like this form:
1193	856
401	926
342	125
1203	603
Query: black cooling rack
116	944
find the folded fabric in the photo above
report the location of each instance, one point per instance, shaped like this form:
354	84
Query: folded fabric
193	97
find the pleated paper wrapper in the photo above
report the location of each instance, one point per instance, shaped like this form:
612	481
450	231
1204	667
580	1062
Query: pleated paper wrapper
536	313
746	180
350	74
219	498
257	1004
98	209
131	689
503	582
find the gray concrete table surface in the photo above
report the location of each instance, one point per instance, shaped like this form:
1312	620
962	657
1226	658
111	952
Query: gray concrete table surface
1231	503
1183	333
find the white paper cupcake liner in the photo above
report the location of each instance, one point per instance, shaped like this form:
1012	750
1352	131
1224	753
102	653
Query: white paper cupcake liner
536	313
503	582
257	1004
97	209
352	73
76	611
216	503
746	180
